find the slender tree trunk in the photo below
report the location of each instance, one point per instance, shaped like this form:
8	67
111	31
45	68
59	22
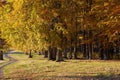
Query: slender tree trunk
1	55
84	45
45	54
54	53
119	52
90	51
80	48
65	53
70	55
39	52
106	55
84	51
30	54
101	53
75	52
87	50
110	52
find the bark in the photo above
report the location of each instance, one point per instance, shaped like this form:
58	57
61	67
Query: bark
106	55
1	55
50	53
65	53
54	53
84	45
75	52
30	54
84	51
90	50
45	54
87	51
59	56
110	52
70	55
119	52
101	55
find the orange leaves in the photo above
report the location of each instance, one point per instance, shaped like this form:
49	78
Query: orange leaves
2	3
115	10
44	12
106	4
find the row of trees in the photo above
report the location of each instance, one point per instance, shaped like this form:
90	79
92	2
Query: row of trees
58	27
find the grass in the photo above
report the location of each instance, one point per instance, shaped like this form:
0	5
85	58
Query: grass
40	67
2	62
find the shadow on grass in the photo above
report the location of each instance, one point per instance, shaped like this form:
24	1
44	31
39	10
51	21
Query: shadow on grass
99	77
102	77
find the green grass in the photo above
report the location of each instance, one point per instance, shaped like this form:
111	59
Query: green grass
38	66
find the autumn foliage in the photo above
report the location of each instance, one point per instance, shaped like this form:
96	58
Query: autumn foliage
63	27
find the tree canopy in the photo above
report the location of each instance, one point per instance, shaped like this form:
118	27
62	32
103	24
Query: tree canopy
37	24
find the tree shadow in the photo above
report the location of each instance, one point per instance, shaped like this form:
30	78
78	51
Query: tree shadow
99	77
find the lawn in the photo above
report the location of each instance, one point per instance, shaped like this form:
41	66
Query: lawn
2	62
40	67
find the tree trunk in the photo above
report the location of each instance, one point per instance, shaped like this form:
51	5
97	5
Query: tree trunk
54	52
84	45
75	52
84	51
40	53
70	55
65	53
90	51
87	50
106	55
1	55
110	52
50	53
45	54
119	52
101	54
30	54
59	56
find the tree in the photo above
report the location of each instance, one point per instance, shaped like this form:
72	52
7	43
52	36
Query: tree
53	27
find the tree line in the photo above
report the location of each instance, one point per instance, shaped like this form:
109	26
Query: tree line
61	29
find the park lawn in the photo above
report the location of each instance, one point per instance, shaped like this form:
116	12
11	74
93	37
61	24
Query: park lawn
41	67
2	62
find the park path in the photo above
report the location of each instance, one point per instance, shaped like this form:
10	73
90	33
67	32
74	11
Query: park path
11	60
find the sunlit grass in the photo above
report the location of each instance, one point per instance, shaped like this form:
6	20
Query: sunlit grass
2	62
38	66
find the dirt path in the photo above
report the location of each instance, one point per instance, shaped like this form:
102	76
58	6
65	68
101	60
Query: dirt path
11	60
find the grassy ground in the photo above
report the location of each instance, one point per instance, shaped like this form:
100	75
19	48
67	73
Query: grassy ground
2	62
39	67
